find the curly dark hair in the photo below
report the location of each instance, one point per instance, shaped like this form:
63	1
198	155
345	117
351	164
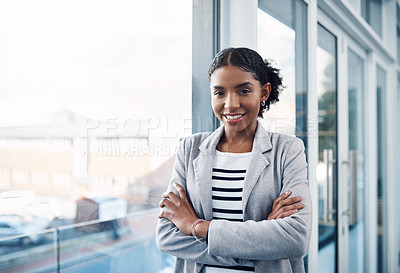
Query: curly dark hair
250	61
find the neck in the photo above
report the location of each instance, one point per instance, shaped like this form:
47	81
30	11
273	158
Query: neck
237	142
232	136
238	137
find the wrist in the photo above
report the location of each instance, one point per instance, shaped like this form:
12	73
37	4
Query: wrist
201	229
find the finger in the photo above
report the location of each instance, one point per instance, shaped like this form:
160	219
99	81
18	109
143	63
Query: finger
271	216
292	207
180	190
282	214
277	214
167	203
285	201
291	200
288	201
171	195
287	214
165	214
280	198
274	214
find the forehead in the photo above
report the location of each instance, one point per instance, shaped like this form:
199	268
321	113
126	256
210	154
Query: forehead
230	76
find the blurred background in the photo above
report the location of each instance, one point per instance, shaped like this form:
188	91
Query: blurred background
95	97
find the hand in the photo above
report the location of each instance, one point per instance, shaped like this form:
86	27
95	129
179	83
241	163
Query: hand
181	212
284	206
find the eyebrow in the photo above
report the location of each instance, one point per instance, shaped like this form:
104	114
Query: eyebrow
237	86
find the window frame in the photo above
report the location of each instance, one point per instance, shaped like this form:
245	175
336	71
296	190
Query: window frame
206	37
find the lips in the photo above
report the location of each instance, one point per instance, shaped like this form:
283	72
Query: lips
233	118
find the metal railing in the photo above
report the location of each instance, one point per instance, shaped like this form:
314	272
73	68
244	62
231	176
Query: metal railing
121	245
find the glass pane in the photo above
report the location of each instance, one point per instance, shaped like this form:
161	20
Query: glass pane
398	155
398	34
120	245
35	252
354	3
356	158
398	45
371	11
381	183
327	150
282	116
284	22
94	99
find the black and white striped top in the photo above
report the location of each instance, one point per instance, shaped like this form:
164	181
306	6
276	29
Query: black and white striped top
228	176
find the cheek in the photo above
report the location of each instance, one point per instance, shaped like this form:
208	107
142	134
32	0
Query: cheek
253	104
215	105
214	108
254	109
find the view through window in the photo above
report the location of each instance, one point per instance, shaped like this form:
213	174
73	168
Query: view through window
94	99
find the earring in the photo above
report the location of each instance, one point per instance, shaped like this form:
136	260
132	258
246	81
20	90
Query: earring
263	103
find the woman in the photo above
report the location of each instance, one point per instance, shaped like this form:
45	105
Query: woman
227	208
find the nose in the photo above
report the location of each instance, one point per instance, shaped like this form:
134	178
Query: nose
232	101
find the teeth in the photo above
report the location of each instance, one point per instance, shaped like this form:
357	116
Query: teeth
233	117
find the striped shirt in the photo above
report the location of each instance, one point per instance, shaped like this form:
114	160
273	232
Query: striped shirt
228	176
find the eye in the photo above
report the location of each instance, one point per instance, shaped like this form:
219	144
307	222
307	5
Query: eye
244	91
219	93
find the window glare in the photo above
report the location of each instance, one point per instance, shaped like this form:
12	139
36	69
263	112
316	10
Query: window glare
63	61
281	117
94	99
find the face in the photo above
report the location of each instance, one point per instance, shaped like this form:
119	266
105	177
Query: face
235	97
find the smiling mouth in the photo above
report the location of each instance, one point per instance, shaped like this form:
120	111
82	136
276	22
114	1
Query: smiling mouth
233	117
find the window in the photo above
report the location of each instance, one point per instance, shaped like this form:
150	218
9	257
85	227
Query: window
398	153
398	34
326	171
371	11
356	188
282	38
354	3
381	168
94	99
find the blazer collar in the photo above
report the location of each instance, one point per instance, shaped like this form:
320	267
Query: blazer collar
261	142
211	142
262	139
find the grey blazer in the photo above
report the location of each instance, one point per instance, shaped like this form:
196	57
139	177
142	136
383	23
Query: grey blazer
277	164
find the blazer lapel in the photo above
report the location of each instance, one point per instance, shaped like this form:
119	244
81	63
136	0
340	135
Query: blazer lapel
257	164
203	165
203	173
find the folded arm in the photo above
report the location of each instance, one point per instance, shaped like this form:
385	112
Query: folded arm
174	242
270	239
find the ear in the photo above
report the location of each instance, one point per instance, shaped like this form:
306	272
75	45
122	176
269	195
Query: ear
265	91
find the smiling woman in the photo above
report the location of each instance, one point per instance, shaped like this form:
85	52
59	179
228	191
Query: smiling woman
243	85
236	98
233	203
237	106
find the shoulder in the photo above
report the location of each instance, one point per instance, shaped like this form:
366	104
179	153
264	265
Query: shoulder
286	147
287	151
276	143
283	141
190	144
195	140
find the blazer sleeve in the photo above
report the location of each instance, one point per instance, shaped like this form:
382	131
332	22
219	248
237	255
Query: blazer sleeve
270	239
171	240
